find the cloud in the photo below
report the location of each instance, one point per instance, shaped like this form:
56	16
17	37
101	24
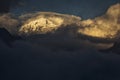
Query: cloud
28	60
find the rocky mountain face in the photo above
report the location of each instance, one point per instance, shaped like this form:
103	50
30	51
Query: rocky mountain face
47	22
104	27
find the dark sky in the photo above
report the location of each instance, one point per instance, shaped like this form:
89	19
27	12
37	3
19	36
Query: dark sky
83	8
5	5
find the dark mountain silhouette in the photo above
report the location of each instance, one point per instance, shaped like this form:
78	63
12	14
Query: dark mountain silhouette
7	38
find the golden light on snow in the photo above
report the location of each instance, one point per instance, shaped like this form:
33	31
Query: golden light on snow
42	25
45	22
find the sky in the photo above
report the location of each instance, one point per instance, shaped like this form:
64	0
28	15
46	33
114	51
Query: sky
83	8
55	57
